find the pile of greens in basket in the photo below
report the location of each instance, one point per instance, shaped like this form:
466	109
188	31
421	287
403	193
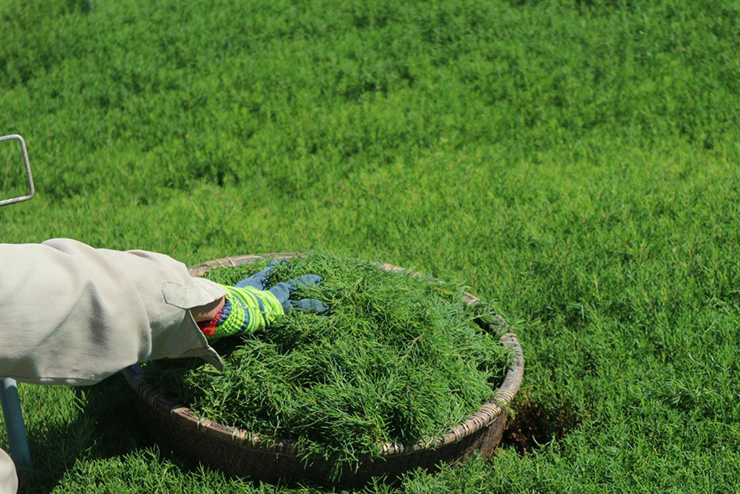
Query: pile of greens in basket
397	358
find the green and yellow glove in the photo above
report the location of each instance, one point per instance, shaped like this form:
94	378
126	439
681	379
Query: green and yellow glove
249	307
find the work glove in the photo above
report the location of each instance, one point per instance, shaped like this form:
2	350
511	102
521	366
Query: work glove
250	306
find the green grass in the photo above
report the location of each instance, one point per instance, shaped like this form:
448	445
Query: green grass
573	162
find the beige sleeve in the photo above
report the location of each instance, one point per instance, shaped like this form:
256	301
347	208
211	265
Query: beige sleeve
72	314
8	478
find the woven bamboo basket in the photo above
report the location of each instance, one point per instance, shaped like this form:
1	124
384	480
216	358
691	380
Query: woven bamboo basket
245	454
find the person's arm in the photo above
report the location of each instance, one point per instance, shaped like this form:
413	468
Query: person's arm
72	314
207	312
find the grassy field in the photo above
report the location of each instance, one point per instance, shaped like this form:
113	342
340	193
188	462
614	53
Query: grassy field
574	162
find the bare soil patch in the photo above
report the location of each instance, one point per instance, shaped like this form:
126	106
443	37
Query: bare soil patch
534	424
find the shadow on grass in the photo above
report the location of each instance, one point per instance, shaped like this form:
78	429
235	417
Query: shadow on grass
535	424
105	425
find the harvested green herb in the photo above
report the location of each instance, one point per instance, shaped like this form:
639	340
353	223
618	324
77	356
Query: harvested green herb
397	358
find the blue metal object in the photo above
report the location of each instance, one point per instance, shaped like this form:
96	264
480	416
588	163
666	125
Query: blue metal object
13	415
11	403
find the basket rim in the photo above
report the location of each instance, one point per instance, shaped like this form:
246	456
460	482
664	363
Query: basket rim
488	413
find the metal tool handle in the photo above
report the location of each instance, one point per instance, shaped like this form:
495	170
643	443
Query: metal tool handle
13	415
29	177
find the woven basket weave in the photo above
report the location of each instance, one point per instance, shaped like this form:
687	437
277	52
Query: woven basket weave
245	454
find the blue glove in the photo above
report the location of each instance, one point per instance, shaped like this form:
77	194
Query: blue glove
283	291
